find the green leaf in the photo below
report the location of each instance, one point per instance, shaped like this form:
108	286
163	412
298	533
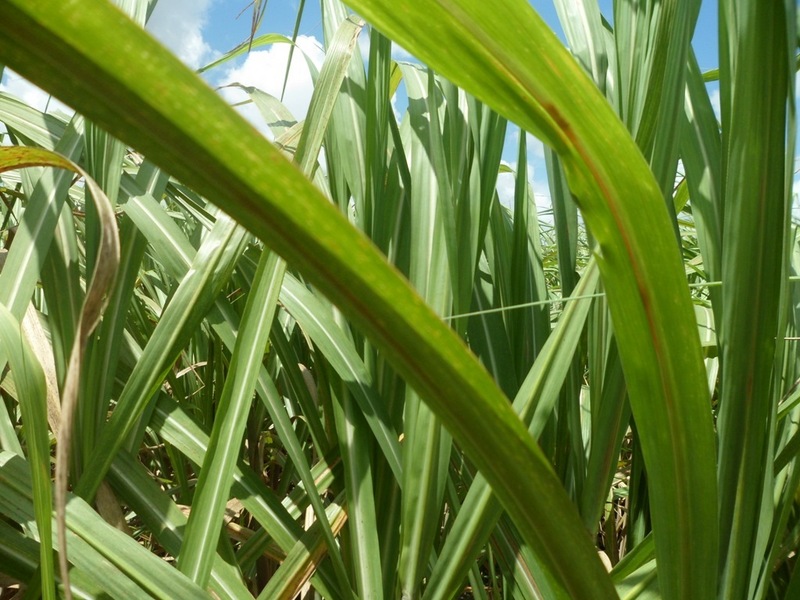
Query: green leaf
107	244
524	77
107	557
30	385
757	90
183	125
202	531
192	300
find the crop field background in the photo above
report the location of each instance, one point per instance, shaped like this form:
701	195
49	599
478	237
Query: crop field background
331	356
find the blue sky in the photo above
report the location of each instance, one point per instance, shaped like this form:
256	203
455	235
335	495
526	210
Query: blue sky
199	31
223	29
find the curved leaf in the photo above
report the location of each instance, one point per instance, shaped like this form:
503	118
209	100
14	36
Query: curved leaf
505	54
167	112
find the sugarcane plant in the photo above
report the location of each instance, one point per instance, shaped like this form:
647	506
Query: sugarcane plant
331	362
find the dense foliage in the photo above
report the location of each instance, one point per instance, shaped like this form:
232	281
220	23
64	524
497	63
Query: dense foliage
356	373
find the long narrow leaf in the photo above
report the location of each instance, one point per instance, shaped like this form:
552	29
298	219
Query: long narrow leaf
209	147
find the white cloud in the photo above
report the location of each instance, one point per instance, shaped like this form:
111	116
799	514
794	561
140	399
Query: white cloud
505	189
538	185
265	70
29	94
176	23
35	97
179	24
535	148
